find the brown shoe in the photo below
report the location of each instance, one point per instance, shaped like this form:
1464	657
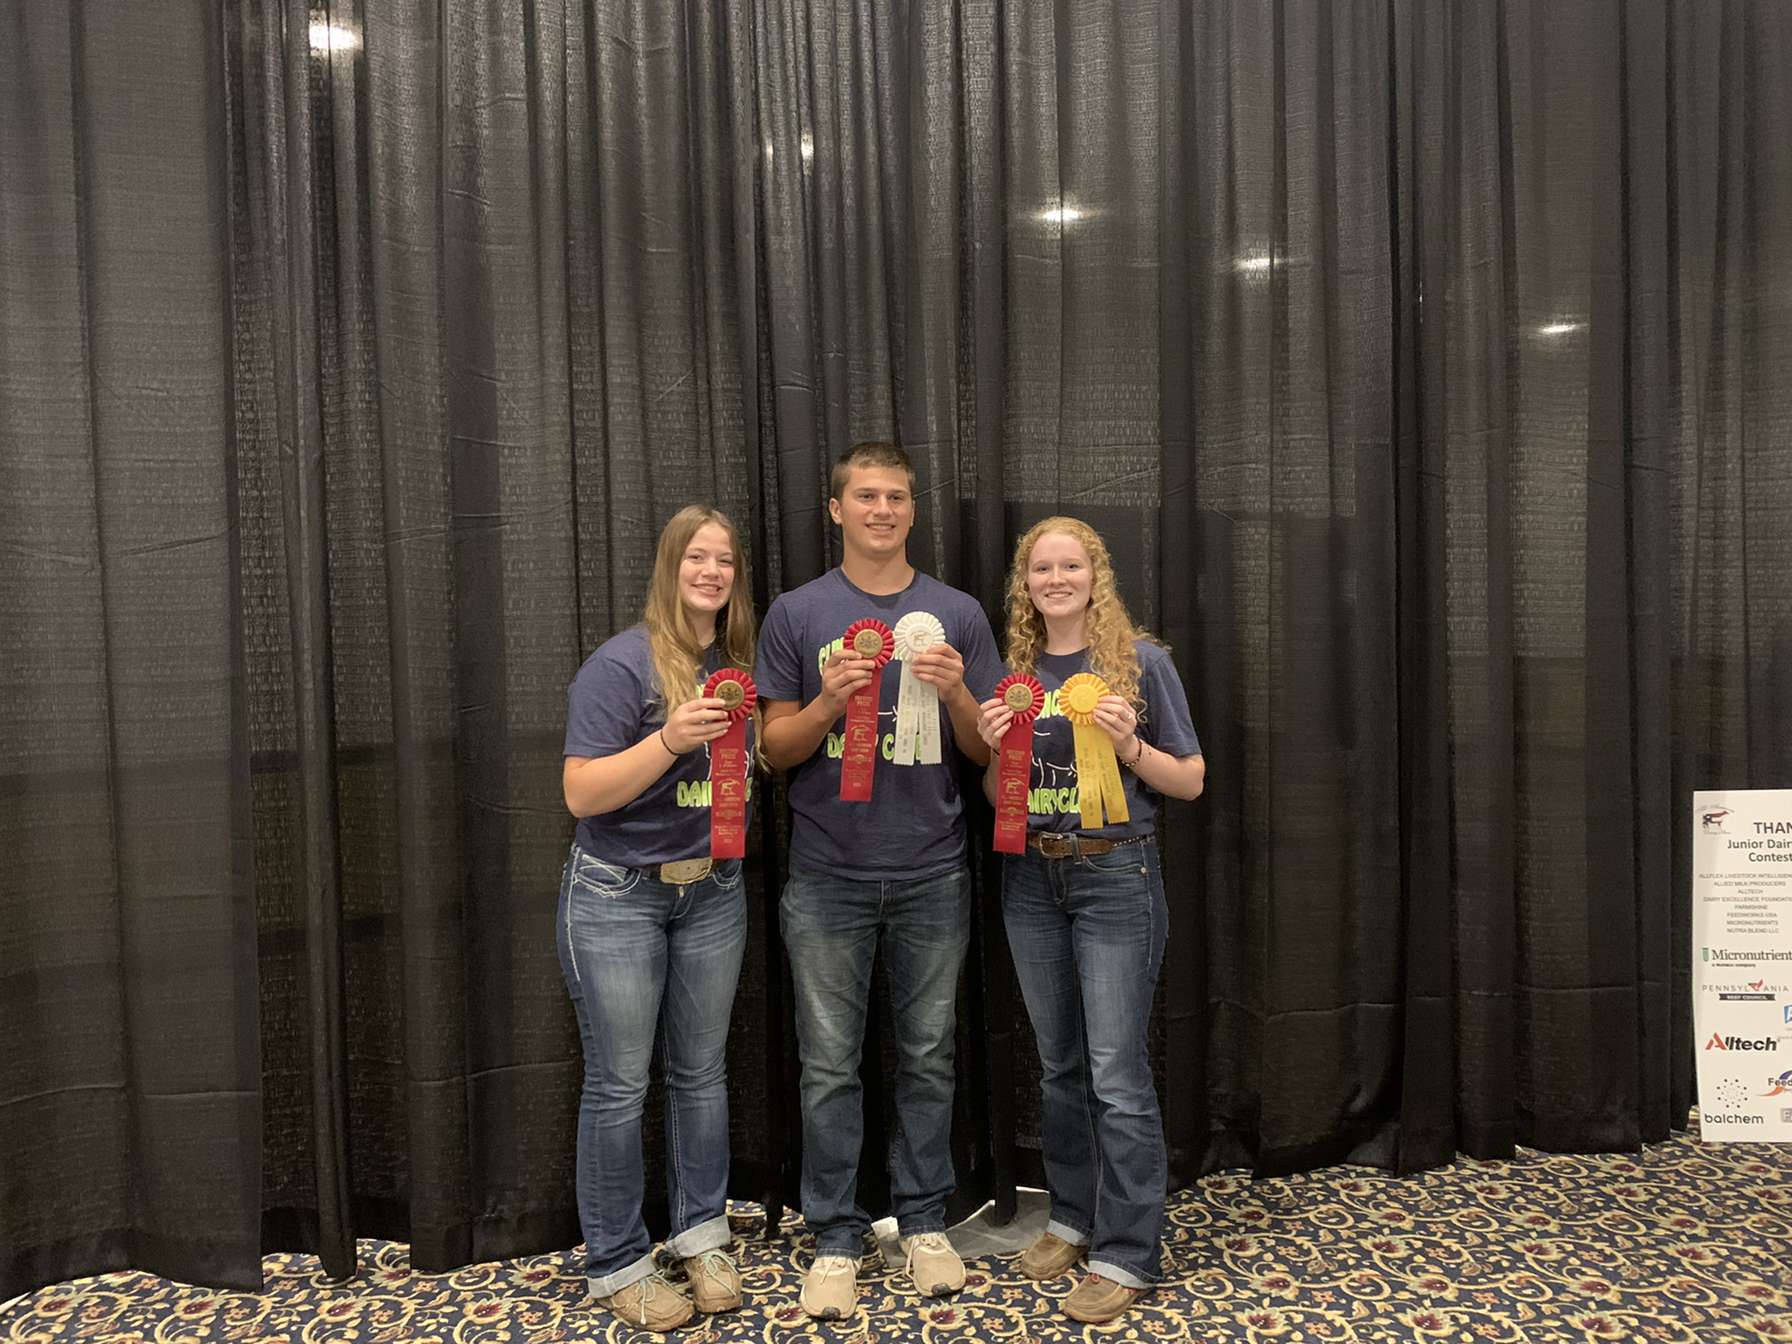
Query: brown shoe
714	1281
1096	1301
1049	1257
651	1303
831	1288
933	1266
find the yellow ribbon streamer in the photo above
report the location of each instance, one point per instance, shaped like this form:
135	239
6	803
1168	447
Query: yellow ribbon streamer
1097	768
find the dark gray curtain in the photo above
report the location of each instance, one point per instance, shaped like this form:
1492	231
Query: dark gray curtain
1428	367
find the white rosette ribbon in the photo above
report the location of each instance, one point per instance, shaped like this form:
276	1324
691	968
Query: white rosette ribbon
917	703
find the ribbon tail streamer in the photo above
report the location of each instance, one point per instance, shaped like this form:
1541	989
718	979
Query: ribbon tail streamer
1014	771
858	761
1098	779
728	794
911	716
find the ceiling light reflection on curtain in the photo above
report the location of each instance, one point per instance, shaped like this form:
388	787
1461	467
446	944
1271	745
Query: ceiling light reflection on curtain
333	37
806	148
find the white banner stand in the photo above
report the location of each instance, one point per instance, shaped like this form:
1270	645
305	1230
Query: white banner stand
1742	963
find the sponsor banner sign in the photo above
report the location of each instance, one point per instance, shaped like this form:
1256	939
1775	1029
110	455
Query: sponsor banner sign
1742	963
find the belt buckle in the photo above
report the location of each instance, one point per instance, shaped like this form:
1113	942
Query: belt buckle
683	872
1055	846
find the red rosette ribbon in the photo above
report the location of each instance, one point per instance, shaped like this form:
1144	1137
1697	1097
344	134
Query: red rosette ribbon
729	768
1014	765
874	640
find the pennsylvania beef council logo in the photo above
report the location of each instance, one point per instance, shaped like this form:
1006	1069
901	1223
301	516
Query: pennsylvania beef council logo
1747	991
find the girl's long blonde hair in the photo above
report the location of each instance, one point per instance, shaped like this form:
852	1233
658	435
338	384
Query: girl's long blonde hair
1113	654
671	639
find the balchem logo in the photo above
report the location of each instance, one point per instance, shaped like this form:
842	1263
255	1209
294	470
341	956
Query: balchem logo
1741	1043
1732	1092
1711	819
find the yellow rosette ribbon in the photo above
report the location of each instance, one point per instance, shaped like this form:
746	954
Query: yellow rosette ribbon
1097	769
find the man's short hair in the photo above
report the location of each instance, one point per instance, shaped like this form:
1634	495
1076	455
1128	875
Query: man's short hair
869	455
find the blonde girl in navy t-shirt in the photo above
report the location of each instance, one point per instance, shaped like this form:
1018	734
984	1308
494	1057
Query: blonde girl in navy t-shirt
651	929
1085	912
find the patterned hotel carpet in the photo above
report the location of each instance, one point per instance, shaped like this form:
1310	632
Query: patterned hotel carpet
1684	1243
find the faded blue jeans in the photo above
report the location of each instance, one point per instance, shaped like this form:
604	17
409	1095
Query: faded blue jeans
833	927
1087	935
651	969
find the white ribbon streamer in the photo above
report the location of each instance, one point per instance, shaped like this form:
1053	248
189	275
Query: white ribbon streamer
917	703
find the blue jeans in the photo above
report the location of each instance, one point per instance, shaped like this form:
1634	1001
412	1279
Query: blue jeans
651	969
1087	935
832	927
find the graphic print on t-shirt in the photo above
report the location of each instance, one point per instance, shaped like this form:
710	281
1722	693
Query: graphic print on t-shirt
1054	790
835	746
695	792
914	824
613	705
1054	800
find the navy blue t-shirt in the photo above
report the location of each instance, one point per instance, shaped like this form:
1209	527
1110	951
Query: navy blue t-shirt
914	824
610	706
1053	800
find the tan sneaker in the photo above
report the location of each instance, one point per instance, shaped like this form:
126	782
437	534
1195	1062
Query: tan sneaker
933	1266
651	1303
1049	1257
831	1287
714	1281
1096	1301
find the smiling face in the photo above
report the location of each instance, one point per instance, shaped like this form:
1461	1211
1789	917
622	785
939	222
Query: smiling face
1059	579
706	570
875	510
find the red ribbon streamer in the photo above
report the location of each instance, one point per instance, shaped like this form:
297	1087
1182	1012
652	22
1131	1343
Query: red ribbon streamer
1014	768
728	766
858	762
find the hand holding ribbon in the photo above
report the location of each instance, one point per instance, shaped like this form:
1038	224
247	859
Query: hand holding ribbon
1120	721
874	640
917	702
729	766
1097	770
1023	698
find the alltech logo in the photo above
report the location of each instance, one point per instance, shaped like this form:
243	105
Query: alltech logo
1718	1042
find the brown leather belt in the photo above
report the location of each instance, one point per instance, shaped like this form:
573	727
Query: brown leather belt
683	872
1050	845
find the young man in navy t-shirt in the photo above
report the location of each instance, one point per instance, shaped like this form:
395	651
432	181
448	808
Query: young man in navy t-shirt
890	869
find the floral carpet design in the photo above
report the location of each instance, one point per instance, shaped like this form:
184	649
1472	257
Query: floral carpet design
1684	1243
